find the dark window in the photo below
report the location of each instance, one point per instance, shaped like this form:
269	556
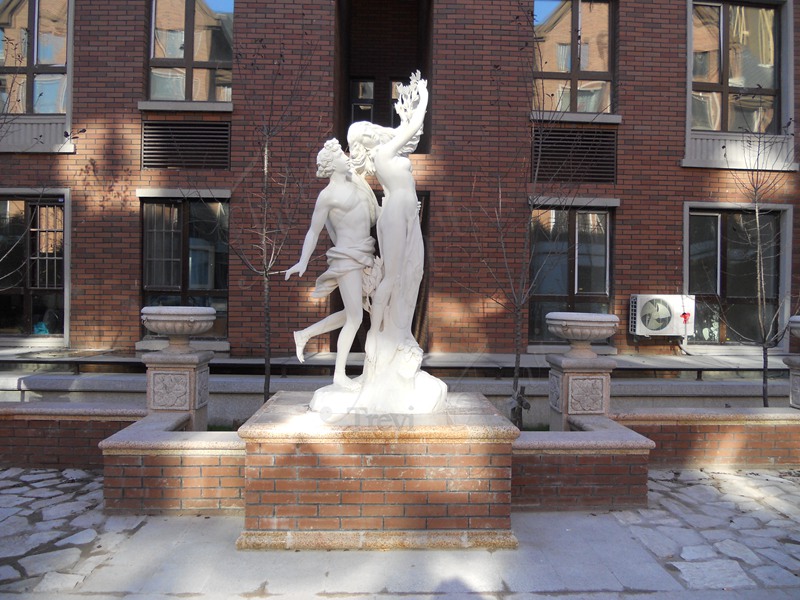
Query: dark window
191	56
31	266
573	56
733	260
33	56
185	260
735	70
570	268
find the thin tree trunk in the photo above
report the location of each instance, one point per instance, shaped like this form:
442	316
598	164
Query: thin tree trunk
764	375
267	339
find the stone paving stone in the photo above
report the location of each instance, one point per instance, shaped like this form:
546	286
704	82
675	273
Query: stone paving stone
701	552
782	558
57	582
81	538
19	545
714	574
39	564
8	572
775	576
739	551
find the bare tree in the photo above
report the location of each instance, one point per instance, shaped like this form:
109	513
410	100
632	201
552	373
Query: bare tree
518	252
762	181
272	218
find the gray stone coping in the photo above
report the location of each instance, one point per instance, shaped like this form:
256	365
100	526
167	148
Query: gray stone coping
711	415
467	417
160	433
86	410
595	434
253	384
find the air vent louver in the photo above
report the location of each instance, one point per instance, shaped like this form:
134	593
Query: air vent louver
186	145
575	155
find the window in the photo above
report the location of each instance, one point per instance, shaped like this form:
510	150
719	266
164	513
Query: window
729	252
31	266
735	70
185	259
191	54
738	104
33	59
570	266
572	56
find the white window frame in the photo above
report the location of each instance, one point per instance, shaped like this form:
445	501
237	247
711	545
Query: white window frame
732	150
44	134
784	272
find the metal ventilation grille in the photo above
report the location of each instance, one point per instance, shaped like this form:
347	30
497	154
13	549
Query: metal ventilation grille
575	155
185	145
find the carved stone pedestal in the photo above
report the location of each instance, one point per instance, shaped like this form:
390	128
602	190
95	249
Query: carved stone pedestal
578	386
179	382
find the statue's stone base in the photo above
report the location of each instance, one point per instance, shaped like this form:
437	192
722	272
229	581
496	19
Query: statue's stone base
362	481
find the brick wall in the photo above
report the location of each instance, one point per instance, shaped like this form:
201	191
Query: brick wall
55	441
579	481
480	150
175	483
377	486
734	444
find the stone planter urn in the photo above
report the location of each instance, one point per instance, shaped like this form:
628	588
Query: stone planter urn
178	323
177	377
581	329
580	381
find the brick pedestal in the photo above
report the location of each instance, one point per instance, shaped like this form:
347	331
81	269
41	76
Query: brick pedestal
377	481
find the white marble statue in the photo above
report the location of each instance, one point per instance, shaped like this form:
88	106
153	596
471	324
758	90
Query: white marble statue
392	381
347	207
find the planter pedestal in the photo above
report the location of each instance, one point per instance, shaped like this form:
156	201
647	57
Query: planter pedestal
580	381
179	382
578	386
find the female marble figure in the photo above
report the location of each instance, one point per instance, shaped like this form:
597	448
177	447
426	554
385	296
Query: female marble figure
383	151
392	381
348	209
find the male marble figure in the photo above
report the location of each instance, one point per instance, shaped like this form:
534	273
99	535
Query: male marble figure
347	208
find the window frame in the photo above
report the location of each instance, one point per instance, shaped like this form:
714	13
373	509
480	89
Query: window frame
32	132
724	87
48	196
784	269
182	199
575	74
574	297
187	63
737	150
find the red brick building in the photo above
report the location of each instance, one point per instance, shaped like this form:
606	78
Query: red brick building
132	163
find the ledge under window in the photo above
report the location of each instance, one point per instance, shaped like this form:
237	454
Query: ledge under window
36	133
550	116
180	106
716	150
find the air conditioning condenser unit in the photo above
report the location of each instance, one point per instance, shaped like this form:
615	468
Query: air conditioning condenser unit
660	314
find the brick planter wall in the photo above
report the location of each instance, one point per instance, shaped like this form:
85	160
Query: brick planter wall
747	438
174	483
58	435
579	481
599	464
156	467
